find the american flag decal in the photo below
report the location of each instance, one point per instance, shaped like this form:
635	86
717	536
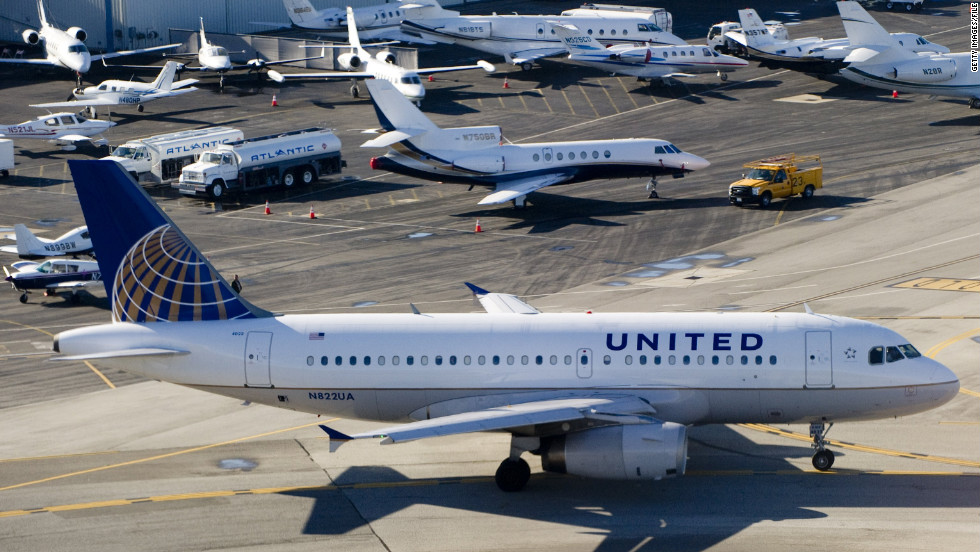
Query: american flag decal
316	336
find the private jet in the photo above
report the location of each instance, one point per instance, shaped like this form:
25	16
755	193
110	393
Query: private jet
118	92
29	246
603	395
379	21
62	129
479	155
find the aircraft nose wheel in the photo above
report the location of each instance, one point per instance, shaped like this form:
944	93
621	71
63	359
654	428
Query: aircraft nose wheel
652	188
23	297
823	459
512	475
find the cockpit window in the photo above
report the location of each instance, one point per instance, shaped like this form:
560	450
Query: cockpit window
909	351
659	149
77	48
892	354
876	355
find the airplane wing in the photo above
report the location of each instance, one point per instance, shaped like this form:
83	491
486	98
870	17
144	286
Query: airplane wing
577	411
737	36
486	66
43	61
513	189
75	285
183	83
78	103
78	138
392	137
9	249
501	302
279	77
397	35
110	55
522	56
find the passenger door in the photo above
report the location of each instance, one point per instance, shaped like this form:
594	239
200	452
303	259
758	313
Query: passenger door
819	365
258	348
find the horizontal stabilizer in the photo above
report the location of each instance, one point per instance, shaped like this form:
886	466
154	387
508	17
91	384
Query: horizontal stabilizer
393	137
124	353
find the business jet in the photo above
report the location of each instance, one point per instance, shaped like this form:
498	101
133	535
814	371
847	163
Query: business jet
880	61
118	92
360	64
29	246
53	276
66	48
379	21
479	155
62	129
596	395
663	62
522	39
810	54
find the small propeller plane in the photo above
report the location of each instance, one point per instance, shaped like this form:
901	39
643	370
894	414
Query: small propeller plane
67	48
118	92
644	61
479	155
53	276
63	129
74	242
360	64
380	21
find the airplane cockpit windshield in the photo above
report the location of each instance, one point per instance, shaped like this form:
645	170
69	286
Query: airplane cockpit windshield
760	174
880	354
669	148
217	51
411	79
44	267
77	49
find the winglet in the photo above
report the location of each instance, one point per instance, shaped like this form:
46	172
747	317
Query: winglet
336	438
477	290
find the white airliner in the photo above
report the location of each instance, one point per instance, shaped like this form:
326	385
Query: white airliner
119	92
67	48
373	22
29	246
880	61
479	155
62	129
598	395
809	54
360	64
521	39
643	61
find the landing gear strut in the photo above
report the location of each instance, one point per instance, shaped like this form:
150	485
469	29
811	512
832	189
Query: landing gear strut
652	188
354	92
823	459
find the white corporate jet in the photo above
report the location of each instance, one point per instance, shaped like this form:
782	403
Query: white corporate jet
360	64
479	155
605	395
810	54
879	61
641	61
521	39
29	246
62	129
67	48
119	92
379	21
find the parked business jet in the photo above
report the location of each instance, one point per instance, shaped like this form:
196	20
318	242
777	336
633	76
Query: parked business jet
663	62
479	155
380	21
53	276
597	395
118	92
810	54
880	61
29	246
66	48
521	39
360	64
62	129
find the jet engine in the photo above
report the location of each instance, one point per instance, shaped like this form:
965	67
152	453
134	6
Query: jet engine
386	56
78	33
925	70
349	61
640	451
31	37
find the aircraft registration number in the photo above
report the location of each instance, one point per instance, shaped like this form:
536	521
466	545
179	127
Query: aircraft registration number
331	396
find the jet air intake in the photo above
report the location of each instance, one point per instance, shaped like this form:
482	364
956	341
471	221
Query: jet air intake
640	451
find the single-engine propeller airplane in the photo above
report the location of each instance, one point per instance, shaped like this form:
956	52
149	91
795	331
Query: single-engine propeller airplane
119	92
606	395
360	64
62	129
29	246
479	155
52	276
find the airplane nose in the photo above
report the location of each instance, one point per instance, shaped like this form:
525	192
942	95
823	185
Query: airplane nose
692	162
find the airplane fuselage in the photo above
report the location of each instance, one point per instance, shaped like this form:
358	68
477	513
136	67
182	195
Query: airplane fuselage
56	272
65	50
51	127
692	368
656	61
931	74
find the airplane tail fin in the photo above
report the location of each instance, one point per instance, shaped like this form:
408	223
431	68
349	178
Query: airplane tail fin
862	29
353	37
151	270
755	31
577	43
26	240
395	111
299	11
204	39
41	14
165	79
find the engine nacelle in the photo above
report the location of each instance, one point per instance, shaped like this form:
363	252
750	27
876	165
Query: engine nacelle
640	451
78	33
31	37
349	61
386	57
926	70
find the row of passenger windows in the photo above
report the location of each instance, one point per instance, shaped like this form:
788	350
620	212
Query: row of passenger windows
641	27
571	155
880	355
538	360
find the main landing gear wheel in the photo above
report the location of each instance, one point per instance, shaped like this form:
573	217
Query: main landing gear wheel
527	66
354	92
512	475
823	459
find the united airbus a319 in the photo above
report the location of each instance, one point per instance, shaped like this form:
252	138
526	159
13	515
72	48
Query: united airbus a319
606	395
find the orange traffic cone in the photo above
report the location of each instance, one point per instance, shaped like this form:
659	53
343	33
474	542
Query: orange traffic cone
431	79
312	214
506	84
274	102
267	210
894	93
478	227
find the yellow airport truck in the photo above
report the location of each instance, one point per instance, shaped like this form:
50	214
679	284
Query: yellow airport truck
775	177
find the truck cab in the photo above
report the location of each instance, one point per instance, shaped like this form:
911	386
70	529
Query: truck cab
134	157
777	177
212	171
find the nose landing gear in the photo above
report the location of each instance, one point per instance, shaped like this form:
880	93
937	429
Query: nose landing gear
823	459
